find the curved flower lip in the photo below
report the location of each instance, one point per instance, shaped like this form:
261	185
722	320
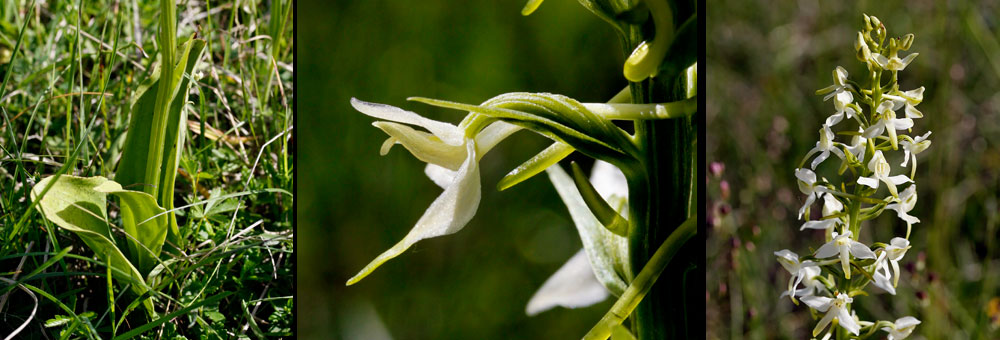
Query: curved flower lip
799	270
880	172
448	214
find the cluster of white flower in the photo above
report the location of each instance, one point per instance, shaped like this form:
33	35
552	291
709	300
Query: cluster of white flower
826	287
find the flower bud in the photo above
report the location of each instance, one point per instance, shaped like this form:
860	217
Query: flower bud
868	23
906	42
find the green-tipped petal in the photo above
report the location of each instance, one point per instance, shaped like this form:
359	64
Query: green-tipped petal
448	214
530	7
598	206
551	155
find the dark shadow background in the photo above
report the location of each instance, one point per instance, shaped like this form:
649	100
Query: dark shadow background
354	204
765	60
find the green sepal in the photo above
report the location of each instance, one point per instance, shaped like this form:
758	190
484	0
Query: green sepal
608	217
538	163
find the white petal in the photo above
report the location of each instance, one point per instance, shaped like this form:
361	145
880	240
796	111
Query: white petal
880	59
902	123
820	303
827	250
819	159
572	286
809	201
831	205
491	135
834	119
906	321
425	146
820	224
824	322
861	251
441	176
912	112
906	60
899	179
847	321
874	130
868	181
884	283
447	132
608	180
449	213
806	176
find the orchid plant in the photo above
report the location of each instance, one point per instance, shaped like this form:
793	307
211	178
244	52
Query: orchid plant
840	269
636	210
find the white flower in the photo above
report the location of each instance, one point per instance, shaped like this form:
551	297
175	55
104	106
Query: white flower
905	203
880	172
858	145
840	91
825	146
446	146
808	274
807	184
882	276
799	271
831	205
834	308
902	327
845	246
896	250
572	286
911	149
893	62
886	120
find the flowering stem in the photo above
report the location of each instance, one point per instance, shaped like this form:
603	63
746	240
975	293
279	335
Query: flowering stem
660	199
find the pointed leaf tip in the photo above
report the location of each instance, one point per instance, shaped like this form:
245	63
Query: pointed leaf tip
601	209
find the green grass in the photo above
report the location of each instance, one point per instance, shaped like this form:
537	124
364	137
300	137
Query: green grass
765	62
65	106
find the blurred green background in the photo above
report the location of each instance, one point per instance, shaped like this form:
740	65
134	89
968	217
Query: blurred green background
765	60
354	204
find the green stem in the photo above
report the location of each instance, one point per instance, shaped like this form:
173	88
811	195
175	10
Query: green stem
660	198
168	47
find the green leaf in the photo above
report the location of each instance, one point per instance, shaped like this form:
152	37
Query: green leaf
147	232
73	204
132	168
171	316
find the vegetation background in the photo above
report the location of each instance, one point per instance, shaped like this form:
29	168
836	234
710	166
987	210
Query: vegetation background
242	100
765	60
355	204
